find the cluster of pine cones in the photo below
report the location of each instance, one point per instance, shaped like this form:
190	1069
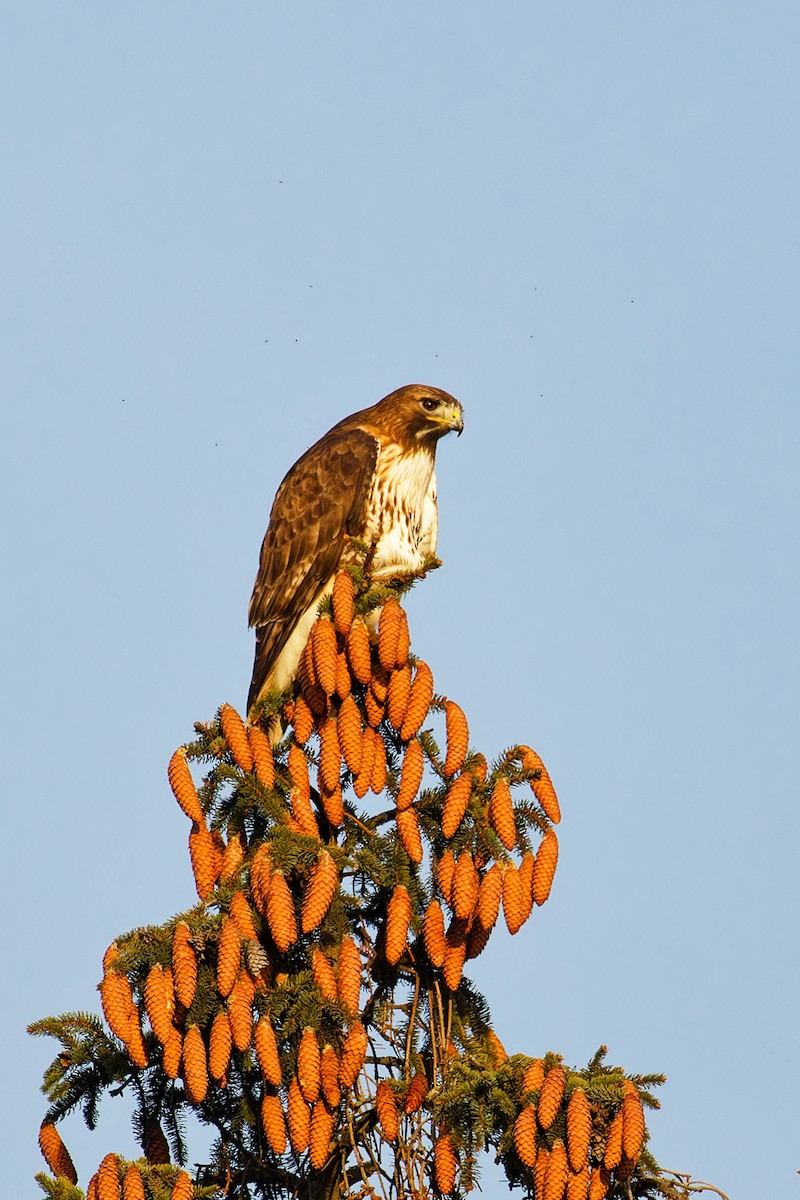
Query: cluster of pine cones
280	902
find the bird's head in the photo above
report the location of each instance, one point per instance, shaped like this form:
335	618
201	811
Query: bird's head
421	413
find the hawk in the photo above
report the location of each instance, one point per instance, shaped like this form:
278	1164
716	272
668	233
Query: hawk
372	478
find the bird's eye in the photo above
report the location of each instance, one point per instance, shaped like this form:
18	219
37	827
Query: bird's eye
429	404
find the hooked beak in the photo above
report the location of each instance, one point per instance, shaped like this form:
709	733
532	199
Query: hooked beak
453	418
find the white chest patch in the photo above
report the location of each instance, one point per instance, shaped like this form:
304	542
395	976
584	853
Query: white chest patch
402	515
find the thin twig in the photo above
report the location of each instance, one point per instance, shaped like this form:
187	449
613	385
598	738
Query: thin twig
411	1022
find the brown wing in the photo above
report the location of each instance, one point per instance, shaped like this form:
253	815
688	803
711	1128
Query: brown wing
320	502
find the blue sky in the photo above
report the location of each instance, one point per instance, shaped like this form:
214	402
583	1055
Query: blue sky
225	227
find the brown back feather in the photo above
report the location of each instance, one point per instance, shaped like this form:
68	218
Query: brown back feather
320	502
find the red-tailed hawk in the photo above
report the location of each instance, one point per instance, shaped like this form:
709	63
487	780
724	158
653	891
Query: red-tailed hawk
371	478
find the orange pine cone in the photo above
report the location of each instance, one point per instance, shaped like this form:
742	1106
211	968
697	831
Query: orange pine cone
235	734
261	750
344	680
108	1181
299	1118
273	1122
417	1091
613	1155
497	1050
398	916
599	1183
354	1051
544	867
457	737
184	964
261	876
316	699
526	882
408	828
329	1075
386	1108
220	1044
240	1012
157	1003
363	780
183	1188
419	701
308	1065
374	709
55	1153
229	956
477	937
349	986
379	685
232	857
466	884
322	885
445	872
135	1045
205	858
632	1126
455	805
533	1078
110	957
301	792
403	641
351	737
333	806
330	756
410	775
551	1095
154	1144
579	1129
324	651
133	1184
343	601
444	1162
542	787
242	914
388	634
557	1174
91	1188
433	933
578	1185
307	678
322	972
525	1135
182	784
319	1136
397	696
306	673
455	953
540	1171
172	1057
303	814
280	912
359	653
119	1009
195	1067
378	777
515	908
489	896
302	721
501	814
479	768
266	1048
